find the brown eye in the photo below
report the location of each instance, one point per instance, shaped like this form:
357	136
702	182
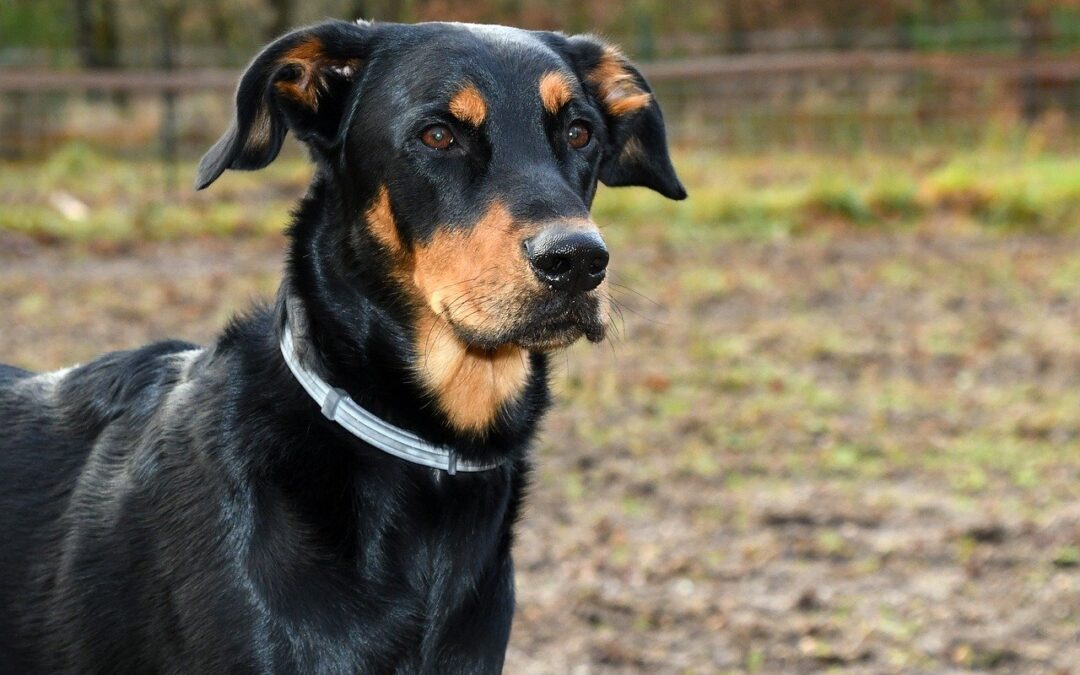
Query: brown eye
578	135
437	136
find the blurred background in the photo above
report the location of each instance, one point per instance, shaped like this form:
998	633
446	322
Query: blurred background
838	427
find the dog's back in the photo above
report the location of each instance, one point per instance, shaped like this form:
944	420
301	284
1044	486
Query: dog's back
54	486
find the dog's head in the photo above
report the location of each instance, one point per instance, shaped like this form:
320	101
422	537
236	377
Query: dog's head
469	156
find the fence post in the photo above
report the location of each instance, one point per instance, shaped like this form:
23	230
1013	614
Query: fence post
170	17
1034	30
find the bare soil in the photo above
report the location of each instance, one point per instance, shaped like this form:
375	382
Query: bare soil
850	451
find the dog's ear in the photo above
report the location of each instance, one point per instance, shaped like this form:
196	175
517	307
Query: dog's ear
300	82
637	152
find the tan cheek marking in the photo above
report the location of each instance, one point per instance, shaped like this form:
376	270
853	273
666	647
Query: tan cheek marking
455	268
555	91
380	222
616	86
468	105
469	385
463	275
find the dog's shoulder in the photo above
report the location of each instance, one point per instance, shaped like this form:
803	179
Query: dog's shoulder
95	394
125	383
9	374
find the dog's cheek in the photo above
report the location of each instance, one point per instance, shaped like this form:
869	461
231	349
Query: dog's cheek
474	276
379	225
380	222
603	309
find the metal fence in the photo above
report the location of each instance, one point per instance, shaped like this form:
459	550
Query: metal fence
847	99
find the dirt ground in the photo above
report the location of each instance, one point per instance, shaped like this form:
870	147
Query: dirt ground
852	451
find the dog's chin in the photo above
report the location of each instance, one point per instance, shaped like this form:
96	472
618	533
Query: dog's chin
536	336
559	335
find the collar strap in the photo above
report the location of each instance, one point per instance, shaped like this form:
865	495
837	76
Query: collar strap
338	407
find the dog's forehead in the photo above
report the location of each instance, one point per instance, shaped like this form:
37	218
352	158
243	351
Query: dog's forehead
501	55
506	38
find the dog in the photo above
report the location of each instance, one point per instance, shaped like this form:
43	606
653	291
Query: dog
331	486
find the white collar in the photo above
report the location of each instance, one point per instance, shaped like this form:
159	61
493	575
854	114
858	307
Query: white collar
338	407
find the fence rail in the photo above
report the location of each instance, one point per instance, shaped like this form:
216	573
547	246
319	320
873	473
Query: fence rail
974	66
748	100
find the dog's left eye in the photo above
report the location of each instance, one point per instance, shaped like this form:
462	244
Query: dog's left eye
437	136
578	135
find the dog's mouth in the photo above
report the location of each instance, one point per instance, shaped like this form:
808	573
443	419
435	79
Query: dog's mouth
562	331
547	324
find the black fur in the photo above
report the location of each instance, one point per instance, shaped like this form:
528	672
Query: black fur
182	510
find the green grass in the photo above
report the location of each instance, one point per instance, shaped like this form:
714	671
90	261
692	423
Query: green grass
731	195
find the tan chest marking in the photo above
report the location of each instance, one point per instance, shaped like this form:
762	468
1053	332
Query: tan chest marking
470	385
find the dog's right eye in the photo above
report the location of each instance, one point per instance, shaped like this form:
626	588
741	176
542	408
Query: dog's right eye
437	136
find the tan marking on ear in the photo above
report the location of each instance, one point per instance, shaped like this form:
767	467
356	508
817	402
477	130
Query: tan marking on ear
555	91
311	62
632	151
470	385
380	222
618	91
305	58
468	105
259	134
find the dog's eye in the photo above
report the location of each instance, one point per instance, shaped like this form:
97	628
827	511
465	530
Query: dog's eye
578	135
437	136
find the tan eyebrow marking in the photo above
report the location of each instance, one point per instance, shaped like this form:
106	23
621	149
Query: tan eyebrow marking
468	105
555	91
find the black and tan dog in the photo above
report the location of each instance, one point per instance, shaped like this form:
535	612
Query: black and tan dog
178	509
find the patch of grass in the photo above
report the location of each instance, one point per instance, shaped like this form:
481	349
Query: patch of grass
80	194
1067	556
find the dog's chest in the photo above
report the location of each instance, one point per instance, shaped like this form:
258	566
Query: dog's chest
420	561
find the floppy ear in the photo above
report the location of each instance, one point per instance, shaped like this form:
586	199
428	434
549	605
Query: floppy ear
300	82
637	152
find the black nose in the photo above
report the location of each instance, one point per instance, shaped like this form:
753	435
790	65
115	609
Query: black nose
572	261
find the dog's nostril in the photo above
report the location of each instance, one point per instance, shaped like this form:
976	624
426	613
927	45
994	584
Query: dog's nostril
552	264
599	263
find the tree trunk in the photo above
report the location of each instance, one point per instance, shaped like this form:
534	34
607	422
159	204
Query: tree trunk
738	41
97	34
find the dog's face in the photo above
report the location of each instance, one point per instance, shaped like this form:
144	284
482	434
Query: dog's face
469	157
484	158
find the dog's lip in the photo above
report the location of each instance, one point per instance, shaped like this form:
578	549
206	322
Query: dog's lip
549	323
548	334
562	331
